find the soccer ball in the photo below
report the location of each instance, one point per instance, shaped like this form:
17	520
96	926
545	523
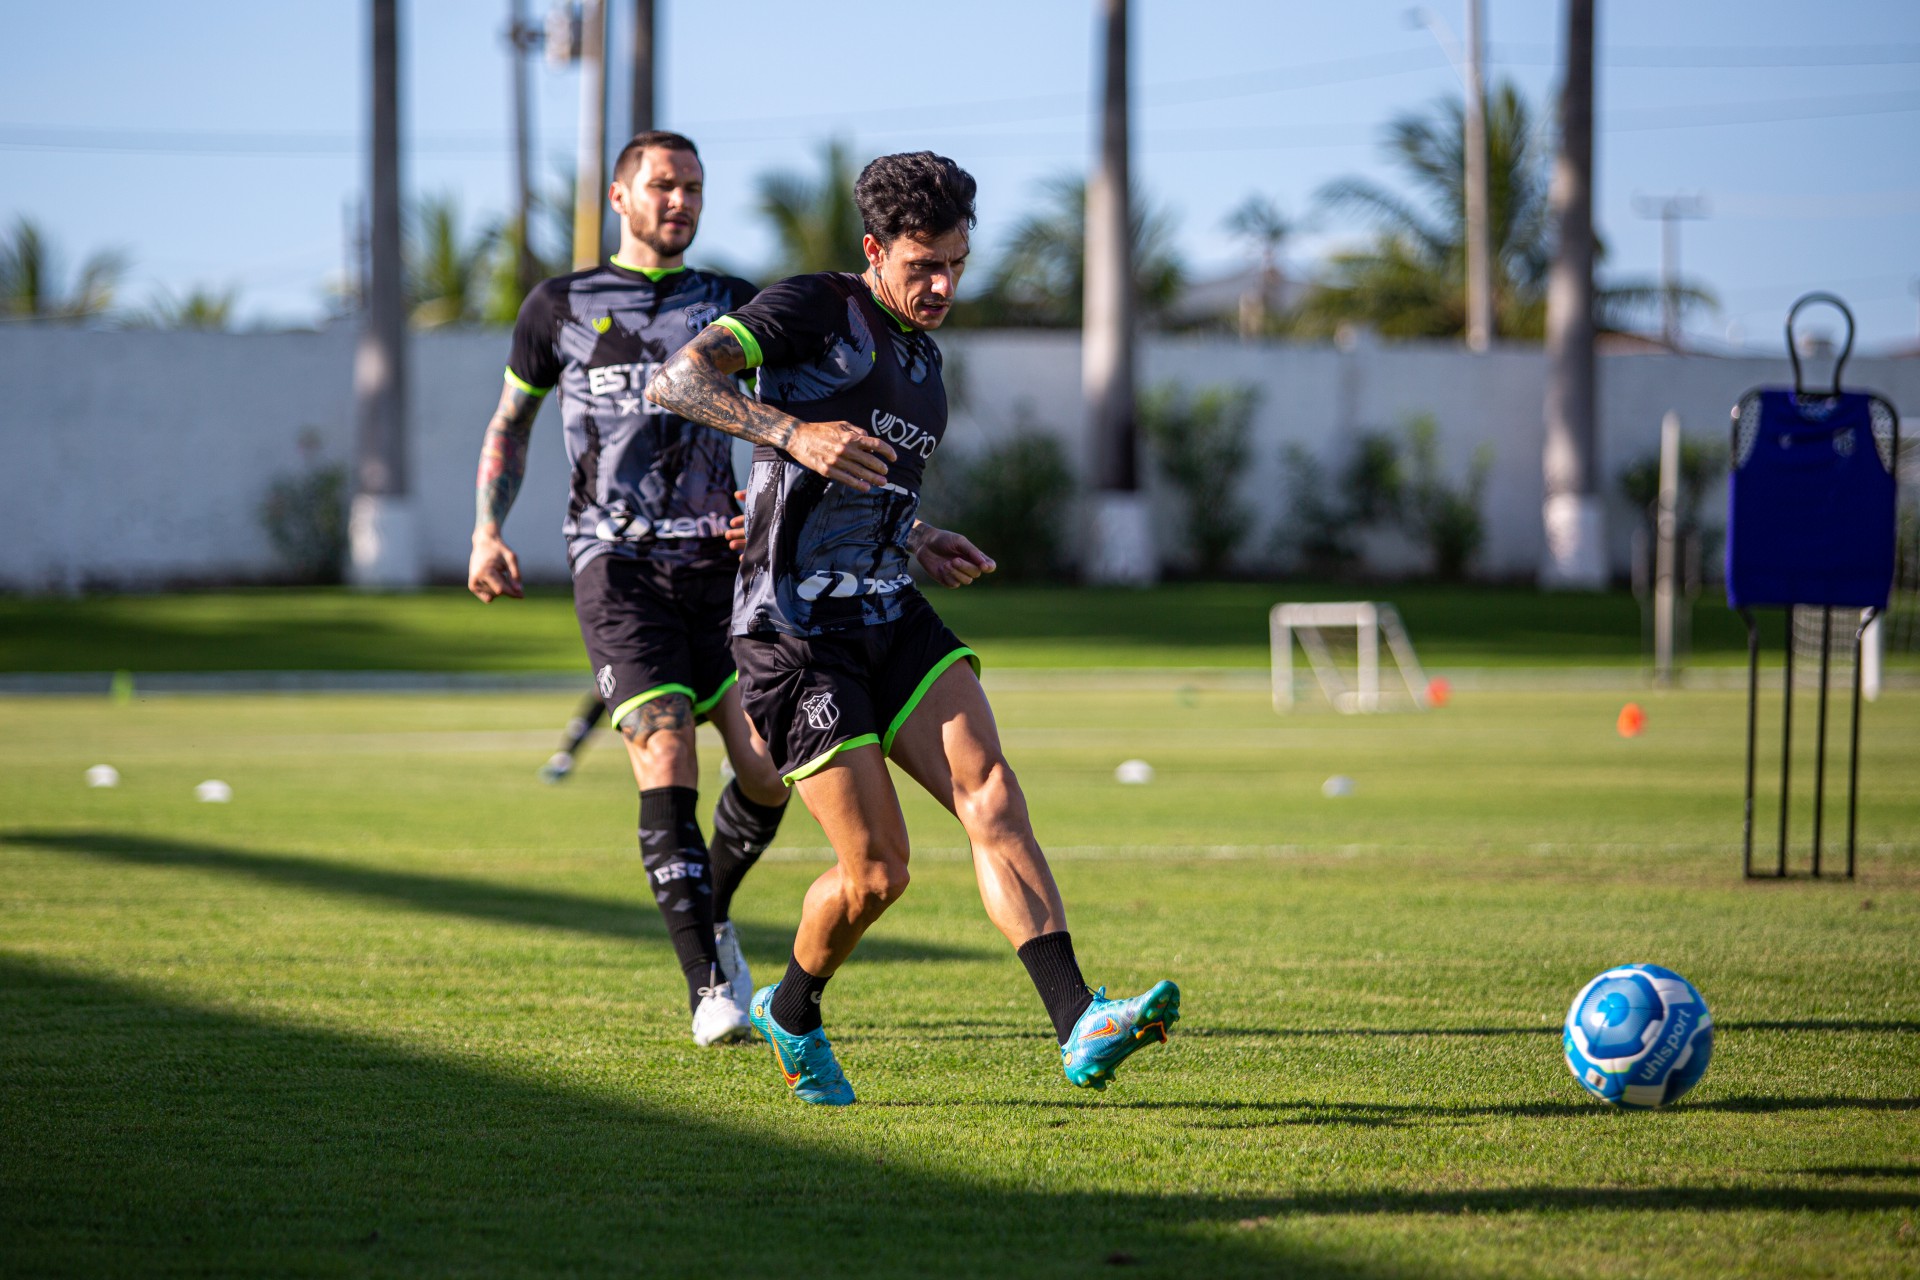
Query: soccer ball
1638	1036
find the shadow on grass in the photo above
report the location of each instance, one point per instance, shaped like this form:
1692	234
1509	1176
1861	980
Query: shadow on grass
149	1137
1225	1114
443	895
144	1135
1314	1033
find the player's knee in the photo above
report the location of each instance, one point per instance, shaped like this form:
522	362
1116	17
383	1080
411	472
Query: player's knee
879	883
990	798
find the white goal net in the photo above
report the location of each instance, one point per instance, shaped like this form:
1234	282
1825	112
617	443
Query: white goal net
1342	644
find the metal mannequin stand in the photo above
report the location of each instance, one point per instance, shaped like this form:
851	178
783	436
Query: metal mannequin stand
1810	524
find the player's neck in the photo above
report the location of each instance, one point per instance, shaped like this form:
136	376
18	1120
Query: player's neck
637	255
888	305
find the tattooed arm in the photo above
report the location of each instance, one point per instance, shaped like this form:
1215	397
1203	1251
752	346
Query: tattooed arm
949	558
697	383
493	570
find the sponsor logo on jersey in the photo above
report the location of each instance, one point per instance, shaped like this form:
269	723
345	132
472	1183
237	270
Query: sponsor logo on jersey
603	324
895	429
605	681
624	526
841	585
820	711
613	379
700	315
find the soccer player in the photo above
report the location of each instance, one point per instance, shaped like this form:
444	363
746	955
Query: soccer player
646	529
583	721
842	661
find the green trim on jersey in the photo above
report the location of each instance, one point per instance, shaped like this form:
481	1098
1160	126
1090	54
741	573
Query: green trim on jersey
652	273
744	336
526	386
825	758
621	712
895	315
920	691
700	709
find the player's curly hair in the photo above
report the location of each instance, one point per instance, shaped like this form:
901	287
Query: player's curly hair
914	192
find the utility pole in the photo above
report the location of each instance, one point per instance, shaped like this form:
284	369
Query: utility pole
1670	210
590	160
1122	549
641	107
1666	534
1576	548
1479	234
522	39
383	549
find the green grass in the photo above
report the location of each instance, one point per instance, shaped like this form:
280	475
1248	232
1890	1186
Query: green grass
1200	624
399	1010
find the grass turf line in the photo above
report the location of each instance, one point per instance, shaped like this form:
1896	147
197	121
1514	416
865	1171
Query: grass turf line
398	1009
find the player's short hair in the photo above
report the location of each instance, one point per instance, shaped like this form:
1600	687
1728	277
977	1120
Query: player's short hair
629	158
914	192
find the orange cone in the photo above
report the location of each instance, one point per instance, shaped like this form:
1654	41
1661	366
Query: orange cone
1632	720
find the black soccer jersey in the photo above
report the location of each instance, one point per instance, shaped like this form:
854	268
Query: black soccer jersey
645	482
821	556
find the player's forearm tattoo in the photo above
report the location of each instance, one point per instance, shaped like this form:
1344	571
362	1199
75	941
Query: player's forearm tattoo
503	456
918	536
666	712
697	383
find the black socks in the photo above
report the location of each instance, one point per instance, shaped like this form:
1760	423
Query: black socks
675	856
1056	974
742	830
796	1001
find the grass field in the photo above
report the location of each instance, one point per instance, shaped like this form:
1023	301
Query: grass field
1193	624
399	1010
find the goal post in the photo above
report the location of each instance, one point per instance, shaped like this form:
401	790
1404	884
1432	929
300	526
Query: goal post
1350	686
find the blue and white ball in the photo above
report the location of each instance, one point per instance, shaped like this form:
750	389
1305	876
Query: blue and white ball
1638	1036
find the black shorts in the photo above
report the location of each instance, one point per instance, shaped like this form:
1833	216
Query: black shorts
812	698
652	629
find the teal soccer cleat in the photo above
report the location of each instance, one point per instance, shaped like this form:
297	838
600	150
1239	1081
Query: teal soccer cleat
1110	1030
806	1061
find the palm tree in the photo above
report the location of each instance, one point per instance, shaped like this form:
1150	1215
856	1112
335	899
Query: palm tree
815	220
1039	280
199	308
446	274
30	278
1411	281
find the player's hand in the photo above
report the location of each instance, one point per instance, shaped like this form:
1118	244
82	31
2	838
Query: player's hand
949	558
841	452
493	570
737	527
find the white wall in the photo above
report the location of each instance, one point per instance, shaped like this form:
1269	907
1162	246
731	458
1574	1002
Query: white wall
138	459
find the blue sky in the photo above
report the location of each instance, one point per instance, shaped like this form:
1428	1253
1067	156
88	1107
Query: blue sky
219	143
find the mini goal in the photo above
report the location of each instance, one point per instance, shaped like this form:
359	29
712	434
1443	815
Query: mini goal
1342	644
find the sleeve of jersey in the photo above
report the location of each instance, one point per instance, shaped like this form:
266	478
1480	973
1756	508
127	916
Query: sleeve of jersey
533	362
787	323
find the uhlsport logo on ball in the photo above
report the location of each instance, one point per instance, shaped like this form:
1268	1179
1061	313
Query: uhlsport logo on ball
1638	1036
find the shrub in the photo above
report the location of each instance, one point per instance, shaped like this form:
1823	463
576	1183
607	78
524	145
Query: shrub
1011	498
1203	443
305	516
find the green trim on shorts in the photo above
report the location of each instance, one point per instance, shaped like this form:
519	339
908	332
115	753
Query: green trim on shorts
926	682
620	712
744	336
701	708
526	386
825	758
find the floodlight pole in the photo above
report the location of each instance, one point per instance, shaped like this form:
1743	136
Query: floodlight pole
590	158
383	546
1571	515
1479	233
1670	210
1121	550
640	107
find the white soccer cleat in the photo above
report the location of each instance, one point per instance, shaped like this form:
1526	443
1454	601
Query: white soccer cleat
733	962
720	1019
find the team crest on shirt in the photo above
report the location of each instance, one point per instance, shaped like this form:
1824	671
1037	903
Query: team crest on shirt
606	681
821	713
700	315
